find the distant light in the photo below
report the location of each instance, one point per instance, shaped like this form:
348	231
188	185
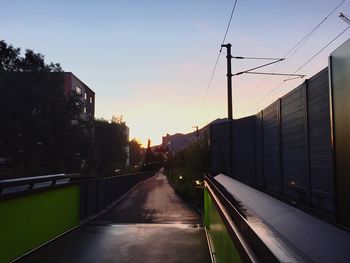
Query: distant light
180	177
198	182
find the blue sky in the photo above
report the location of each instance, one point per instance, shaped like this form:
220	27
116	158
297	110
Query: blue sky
151	61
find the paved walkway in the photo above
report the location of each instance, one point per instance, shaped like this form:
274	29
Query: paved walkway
151	224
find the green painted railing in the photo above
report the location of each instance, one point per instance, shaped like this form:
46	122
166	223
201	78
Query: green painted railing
239	236
29	221
36	210
224	248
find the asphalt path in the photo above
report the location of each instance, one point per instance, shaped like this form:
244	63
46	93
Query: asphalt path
154	201
150	224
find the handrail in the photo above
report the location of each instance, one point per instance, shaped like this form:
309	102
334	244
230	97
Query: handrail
25	185
244	234
111	176
31	180
20	185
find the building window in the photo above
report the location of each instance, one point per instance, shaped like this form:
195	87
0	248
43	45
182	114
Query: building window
90	99
85	96
78	90
84	109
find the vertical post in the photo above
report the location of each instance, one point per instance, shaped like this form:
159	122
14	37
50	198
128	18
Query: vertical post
262	150
229	105
280	143
307	143
229	81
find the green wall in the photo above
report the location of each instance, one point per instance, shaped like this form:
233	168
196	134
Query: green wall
225	251
29	221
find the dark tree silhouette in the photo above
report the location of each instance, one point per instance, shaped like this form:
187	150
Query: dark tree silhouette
36	134
135	151
111	141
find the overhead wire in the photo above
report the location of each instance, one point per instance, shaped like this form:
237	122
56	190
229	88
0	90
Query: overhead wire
334	39
297	46
307	62
218	57
291	52
229	23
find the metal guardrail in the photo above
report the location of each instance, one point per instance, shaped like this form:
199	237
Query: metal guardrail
96	193
244	234
17	186
231	216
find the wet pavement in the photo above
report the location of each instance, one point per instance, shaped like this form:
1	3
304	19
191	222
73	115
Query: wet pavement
153	202
151	224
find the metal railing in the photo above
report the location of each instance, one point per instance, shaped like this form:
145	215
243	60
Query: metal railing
96	193
243	227
25	185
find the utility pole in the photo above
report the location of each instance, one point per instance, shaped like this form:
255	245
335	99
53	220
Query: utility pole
229	106
229	80
229	91
197	132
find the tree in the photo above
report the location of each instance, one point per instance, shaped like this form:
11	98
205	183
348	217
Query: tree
9	57
188	166
135	151
111	141
35	116
11	61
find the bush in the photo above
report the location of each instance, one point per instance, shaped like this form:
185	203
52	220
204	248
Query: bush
186	169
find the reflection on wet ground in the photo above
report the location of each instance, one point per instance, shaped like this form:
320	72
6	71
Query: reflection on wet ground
153	202
152	224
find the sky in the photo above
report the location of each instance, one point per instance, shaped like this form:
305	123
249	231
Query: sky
151	61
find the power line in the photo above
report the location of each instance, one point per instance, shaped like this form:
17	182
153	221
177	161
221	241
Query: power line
210	81
218	57
304	39
334	39
307	62
295	48
229	23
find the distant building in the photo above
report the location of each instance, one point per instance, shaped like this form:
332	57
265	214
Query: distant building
72	83
179	141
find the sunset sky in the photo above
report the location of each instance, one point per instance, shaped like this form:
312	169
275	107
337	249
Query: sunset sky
151	61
